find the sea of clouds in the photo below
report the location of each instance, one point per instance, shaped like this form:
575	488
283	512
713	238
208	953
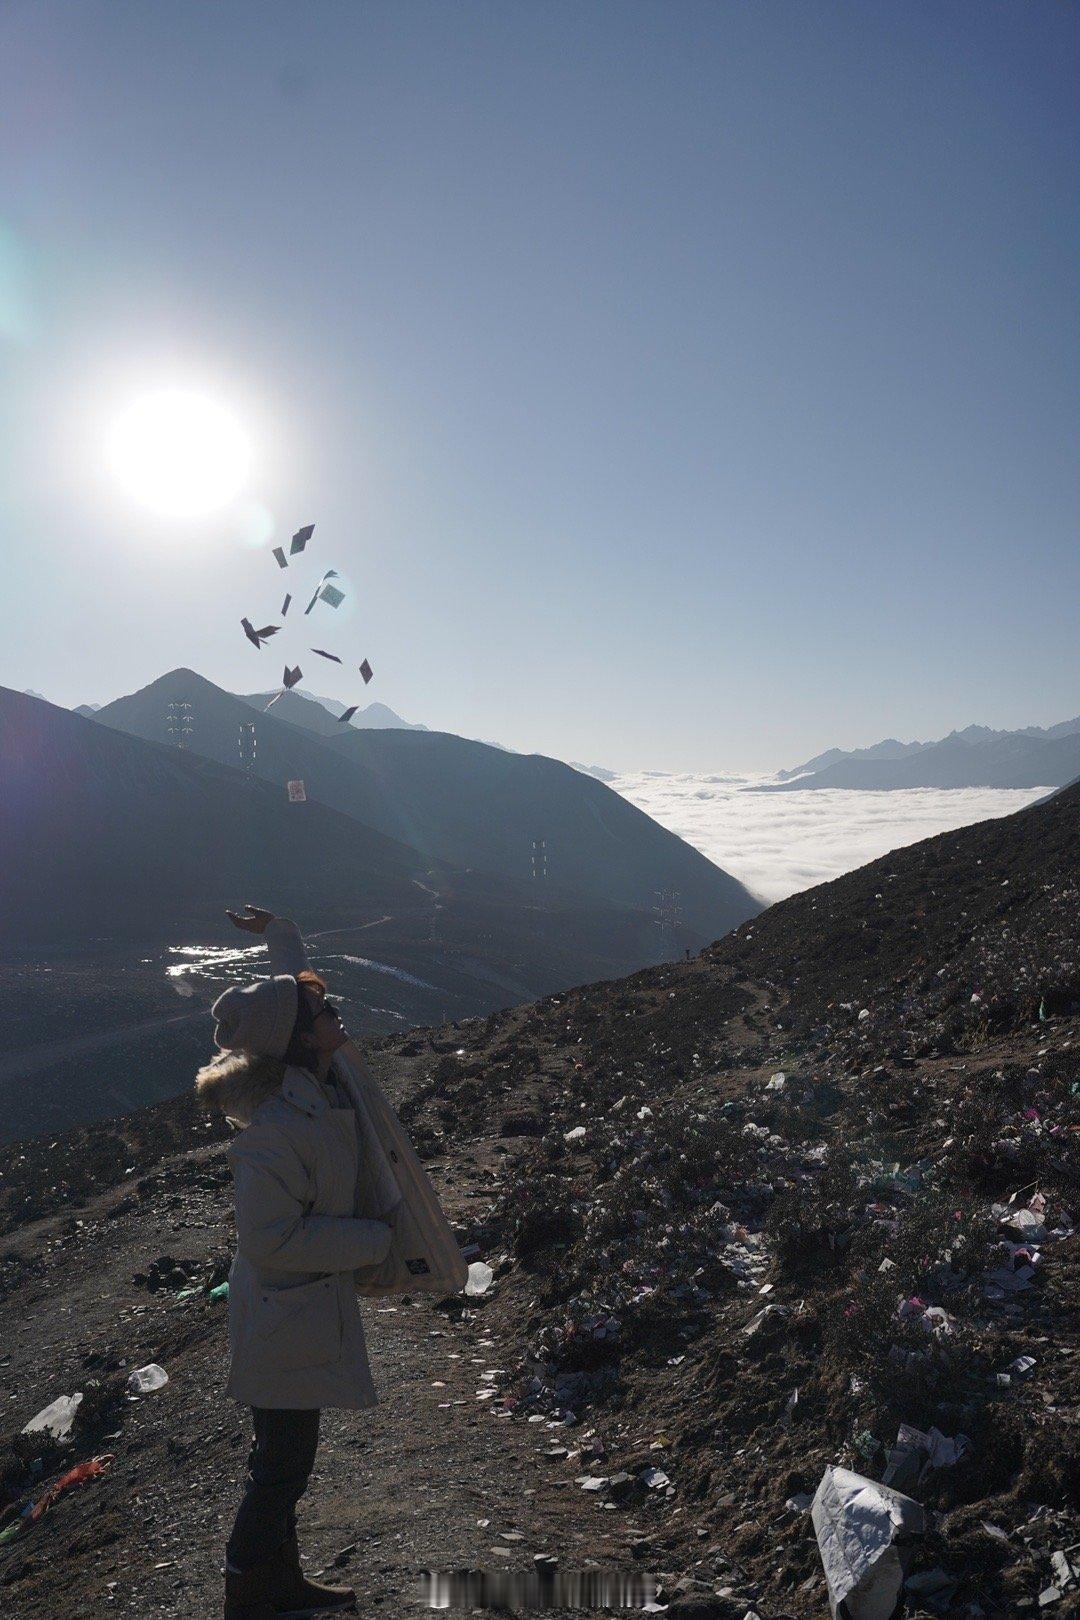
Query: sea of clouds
778	843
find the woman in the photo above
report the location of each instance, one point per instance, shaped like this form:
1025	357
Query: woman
296	1339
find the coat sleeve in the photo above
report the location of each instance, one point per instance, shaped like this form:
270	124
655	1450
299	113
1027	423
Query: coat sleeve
286	947
271	1199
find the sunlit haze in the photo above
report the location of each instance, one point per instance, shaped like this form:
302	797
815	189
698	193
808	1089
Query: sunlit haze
689	387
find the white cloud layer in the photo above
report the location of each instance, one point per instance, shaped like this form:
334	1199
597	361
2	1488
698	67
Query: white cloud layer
779	843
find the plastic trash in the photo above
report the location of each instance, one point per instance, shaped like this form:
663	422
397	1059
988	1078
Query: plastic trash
144	1380
55	1419
862	1530
32	1511
220	1292
480	1276
74	1476
916	1453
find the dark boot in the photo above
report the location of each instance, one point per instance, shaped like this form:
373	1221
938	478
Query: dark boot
297	1596
253	1595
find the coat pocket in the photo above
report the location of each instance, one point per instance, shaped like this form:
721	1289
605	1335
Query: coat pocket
297	1327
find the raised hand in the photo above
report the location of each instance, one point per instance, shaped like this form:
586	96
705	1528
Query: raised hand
253	924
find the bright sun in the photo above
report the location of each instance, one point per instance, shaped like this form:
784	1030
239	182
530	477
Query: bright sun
180	453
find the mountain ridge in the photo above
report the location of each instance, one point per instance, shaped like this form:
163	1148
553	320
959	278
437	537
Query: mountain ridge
977	756
462	801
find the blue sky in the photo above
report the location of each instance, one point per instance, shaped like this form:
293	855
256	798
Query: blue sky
676	385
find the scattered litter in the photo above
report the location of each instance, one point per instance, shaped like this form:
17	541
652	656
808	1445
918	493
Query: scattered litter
863	1530
916	1453
297	794
56	1418
480	1278
144	1380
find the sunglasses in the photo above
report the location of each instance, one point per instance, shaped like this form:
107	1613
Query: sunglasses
326	1006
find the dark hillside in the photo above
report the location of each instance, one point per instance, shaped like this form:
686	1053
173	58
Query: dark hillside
105	836
989	911
460	802
738	1232
120	853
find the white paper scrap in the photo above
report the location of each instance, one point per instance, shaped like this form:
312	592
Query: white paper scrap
858	1523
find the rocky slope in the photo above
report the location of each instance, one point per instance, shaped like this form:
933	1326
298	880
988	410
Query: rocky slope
746	1214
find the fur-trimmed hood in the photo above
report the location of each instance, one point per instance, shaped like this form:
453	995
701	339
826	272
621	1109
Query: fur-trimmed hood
237	1082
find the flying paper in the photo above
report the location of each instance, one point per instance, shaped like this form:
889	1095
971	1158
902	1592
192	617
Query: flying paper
285	606
296	793
347	716
301	538
257	637
331	594
331	573
366	671
291	676
332	656
282	560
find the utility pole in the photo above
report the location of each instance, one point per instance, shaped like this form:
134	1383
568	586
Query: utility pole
179	723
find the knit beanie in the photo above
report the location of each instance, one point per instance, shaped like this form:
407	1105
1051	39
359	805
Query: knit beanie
257	1017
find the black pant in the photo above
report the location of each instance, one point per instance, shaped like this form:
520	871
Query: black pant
279	1464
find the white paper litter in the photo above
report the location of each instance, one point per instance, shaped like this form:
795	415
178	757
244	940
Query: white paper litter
858	1524
56	1418
916	1452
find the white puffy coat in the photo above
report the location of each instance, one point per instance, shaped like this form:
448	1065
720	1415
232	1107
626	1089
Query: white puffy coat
296	1338
295	1333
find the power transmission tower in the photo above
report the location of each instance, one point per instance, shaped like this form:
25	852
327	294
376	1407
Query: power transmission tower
539	869
247	746
179	723
667	911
